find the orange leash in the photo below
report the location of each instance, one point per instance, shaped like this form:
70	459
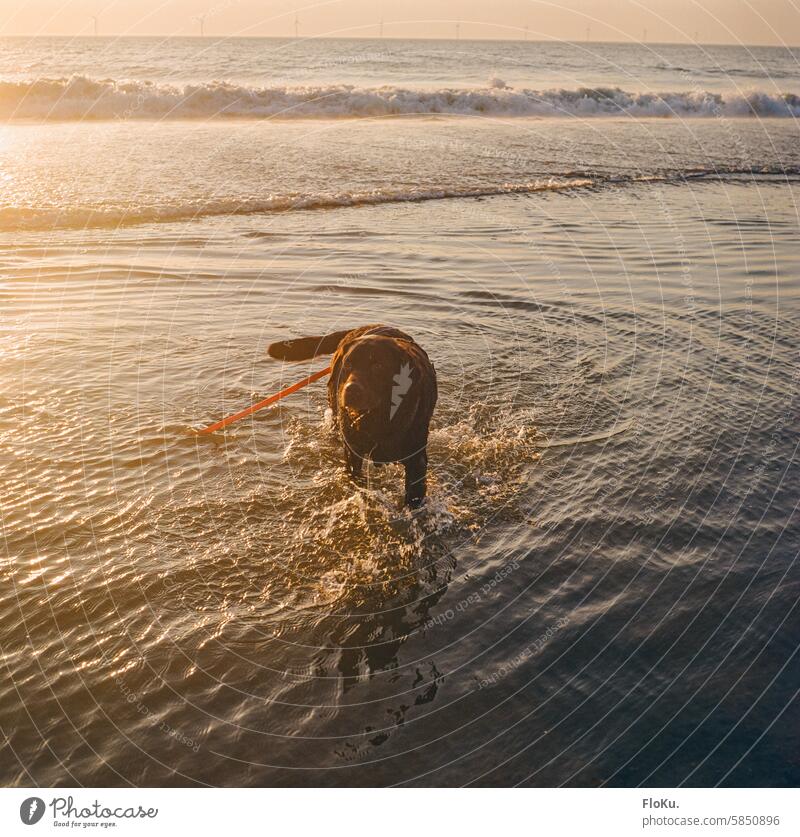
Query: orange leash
267	401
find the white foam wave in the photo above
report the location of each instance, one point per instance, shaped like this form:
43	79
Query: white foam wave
80	98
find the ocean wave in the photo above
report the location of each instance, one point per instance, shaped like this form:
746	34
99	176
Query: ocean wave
45	218
80	98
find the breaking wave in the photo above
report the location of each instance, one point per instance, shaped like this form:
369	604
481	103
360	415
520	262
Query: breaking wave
80	98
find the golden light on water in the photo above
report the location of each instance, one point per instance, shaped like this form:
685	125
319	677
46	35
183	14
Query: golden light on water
596	246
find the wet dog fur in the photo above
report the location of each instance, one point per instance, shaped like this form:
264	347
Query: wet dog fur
382	391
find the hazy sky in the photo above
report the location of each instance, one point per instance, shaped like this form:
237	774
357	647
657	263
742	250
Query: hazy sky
712	21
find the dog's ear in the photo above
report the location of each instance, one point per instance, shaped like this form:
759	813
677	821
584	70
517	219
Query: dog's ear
304	348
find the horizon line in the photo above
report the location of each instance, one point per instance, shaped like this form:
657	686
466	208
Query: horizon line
553	39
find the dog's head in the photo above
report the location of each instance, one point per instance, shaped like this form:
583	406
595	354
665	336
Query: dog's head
375	377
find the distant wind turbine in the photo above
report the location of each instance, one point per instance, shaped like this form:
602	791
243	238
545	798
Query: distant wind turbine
296	26
526	31
644	36
458	31
201	19
381	28
588	33
94	24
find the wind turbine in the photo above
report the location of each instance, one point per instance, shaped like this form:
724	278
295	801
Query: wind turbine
201	19
588	33
644	36
381	28
296	26
526	31
94	24
458	30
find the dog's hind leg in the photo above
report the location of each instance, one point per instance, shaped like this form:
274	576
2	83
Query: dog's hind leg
416	482
355	463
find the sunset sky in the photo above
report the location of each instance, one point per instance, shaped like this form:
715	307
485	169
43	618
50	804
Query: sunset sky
710	21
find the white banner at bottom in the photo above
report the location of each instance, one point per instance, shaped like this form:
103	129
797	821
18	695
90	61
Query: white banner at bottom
349	812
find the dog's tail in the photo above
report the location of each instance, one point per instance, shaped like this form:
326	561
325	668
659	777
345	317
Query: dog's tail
304	348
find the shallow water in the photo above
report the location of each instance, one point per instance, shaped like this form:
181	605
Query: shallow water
603	587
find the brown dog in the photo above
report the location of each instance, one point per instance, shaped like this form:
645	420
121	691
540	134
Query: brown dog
382	392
